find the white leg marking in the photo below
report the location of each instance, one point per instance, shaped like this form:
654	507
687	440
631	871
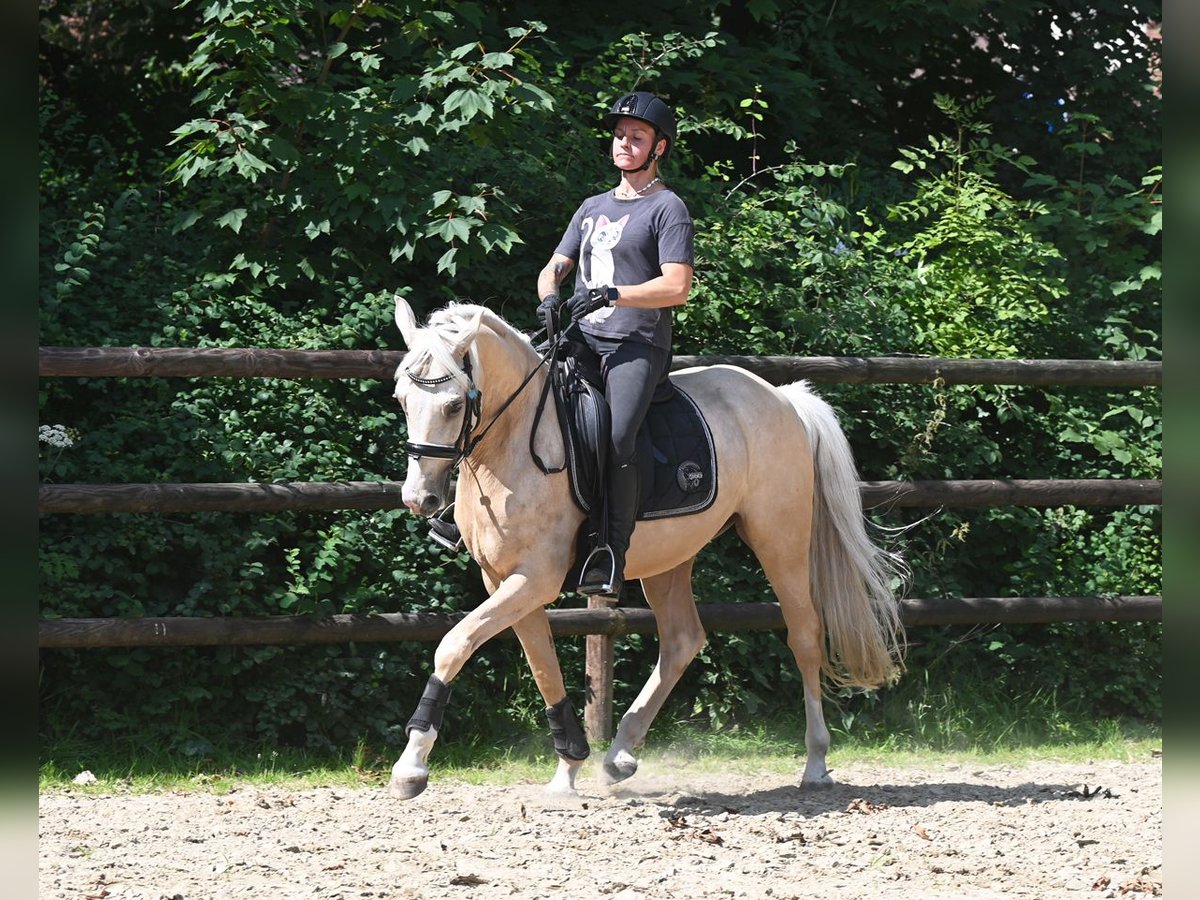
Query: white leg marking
563	782
410	774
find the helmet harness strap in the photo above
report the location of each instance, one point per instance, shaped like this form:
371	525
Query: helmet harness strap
658	136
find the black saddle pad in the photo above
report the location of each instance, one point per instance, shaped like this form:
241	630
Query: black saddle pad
676	457
684	461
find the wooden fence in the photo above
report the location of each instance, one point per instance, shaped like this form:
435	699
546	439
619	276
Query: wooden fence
600	622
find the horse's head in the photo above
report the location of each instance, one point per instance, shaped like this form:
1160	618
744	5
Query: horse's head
440	400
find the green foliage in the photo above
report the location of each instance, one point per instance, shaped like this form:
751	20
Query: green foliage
981	271
335	153
328	132
785	268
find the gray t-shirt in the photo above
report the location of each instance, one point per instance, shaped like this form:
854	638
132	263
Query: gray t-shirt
626	242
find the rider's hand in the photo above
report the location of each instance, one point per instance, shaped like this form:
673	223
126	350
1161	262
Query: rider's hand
547	311
587	301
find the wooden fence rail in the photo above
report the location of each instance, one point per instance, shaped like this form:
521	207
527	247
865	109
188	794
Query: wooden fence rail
193	631
63	362
600	622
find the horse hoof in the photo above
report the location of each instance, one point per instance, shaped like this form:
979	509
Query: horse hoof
406	787
823	783
615	772
558	789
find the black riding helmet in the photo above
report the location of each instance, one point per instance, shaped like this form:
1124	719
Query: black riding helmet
649	108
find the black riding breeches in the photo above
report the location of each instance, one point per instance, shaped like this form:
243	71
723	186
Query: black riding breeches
632	374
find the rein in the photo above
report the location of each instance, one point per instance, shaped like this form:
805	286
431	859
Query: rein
472	415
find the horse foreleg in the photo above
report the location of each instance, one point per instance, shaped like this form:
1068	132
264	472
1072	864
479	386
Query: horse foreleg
570	743
410	773
680	638
514	599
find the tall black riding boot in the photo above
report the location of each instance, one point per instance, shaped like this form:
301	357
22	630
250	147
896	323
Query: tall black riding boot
604	570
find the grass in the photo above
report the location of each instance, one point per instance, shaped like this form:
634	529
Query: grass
923	721
1038	732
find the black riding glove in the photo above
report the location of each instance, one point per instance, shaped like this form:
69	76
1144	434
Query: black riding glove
547	312
587	301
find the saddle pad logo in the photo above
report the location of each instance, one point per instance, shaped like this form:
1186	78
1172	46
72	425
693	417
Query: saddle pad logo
689	476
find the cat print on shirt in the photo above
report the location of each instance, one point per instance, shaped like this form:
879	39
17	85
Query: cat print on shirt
605	236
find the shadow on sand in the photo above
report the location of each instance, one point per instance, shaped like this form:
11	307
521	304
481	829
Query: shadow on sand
838	797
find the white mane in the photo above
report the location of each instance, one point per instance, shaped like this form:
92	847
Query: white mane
442	333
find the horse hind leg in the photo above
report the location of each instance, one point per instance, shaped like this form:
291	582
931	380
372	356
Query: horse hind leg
784	556
680	638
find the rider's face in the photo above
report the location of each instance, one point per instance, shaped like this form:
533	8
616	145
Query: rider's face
632	141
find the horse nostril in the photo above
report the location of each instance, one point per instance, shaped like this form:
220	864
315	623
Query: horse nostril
430	504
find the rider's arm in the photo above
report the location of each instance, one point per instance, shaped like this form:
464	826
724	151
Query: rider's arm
552	275
668	289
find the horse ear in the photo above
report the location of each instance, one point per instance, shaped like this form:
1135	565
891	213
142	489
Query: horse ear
406	321
470	328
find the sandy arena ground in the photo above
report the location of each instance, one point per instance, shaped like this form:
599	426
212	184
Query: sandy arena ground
949	831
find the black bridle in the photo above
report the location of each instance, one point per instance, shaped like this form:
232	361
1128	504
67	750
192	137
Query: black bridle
465	443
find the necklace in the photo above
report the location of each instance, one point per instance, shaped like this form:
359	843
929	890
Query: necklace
638	192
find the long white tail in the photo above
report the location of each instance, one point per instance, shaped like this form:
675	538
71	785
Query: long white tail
854	580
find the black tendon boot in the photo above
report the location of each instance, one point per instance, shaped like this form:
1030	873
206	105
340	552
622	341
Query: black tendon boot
604	570
566	730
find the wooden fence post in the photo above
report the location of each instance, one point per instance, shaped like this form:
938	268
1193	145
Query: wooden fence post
598	676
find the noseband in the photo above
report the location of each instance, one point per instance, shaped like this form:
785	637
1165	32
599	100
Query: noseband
464	444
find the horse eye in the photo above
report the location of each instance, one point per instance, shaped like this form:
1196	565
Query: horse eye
453	407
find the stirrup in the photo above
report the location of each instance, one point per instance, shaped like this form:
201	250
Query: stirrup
609	583
444	532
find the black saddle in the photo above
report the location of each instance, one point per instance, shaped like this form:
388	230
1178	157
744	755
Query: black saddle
676	457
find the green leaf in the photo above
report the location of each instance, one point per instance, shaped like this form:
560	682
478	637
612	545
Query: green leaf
497	60
446	263
368	62
469	102
315	229
534	95
185	220
250	166
336	49
450	229
232	220
403	89
472	205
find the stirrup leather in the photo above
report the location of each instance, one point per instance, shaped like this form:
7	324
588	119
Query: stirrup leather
600	558
444	532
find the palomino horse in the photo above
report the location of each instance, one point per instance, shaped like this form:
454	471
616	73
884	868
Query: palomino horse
469	386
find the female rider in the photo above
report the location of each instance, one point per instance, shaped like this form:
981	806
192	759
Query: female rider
632	252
